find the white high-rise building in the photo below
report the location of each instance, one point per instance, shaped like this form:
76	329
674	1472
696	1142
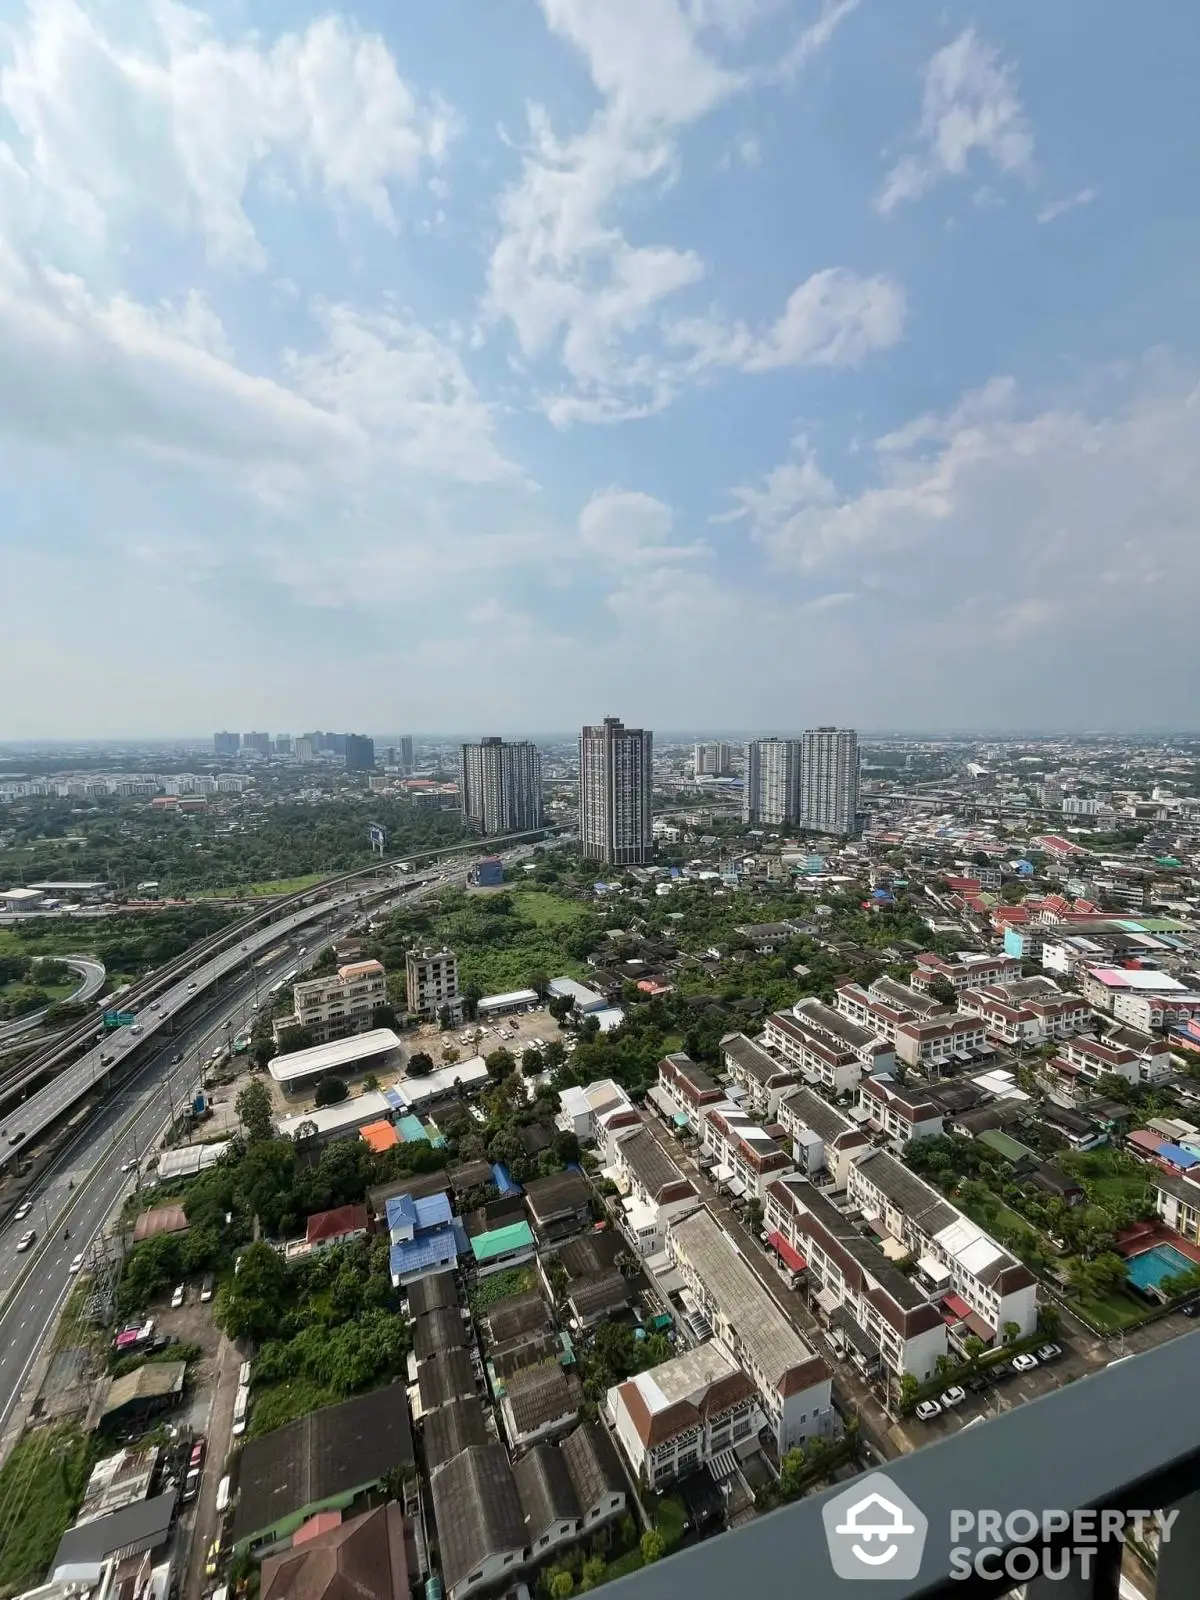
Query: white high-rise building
829	780
501	785
712	760
616	781
772	781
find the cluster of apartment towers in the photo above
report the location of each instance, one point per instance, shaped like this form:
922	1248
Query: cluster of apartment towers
810	782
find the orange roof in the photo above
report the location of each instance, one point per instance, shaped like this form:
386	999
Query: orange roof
379	1135
321	1523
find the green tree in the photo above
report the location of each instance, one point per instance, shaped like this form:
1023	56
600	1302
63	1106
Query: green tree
249	1303
653	1545
554	1054
292	1039
253	1106
370	1083
331	1091
500	1063
383	1016
910	1388
593	1574
562	1586
943	991
1011	1332
420	1064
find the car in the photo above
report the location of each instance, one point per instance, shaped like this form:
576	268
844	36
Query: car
197	1457
192	985
177	1297
155	1005
1192	1309
206	1289
928	1409
26	1239
137	1028
214	1555
176	1059
954	1395
1049	1352
129	1166
22	1210
977	1383
15	1138
1024	1363
76	1263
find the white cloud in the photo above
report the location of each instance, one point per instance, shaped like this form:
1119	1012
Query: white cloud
1058	208
564	273
970	105
165	121
625	528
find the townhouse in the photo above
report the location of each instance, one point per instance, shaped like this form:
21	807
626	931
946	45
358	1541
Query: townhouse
793	1383
824	1141
1095	1058
964	971
763	1079
1177	1201
825	1046
743	1157
1139	997
886	1005
684	1090
683	1414
901	1111
1153	1054
880	1316
654	1190
1027	1012
597	1114
936	1042
985	1286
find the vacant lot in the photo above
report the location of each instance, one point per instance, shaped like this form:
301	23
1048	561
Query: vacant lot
257	891
548	910
41	1486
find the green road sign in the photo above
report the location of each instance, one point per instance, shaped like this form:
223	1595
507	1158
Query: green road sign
120	1019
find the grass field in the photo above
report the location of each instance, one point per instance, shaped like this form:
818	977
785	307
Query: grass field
1110	1312
41	1486
259	891
548	911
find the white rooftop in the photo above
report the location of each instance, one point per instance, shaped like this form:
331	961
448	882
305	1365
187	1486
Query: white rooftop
685	1377
1137	978
320	1058
468	1073
363	1108
969	1246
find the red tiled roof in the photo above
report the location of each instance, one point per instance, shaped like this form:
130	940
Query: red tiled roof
792	1256
332	1224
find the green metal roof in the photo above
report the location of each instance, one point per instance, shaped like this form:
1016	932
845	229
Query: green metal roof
1005	1145
499	1241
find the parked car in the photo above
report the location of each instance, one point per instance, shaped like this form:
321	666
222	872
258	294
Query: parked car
1024	1363
214	1555
977	1383
954	1395
928	1409
76	1263
177	1297
206	1288
26	1239
1192	1309
1049	1352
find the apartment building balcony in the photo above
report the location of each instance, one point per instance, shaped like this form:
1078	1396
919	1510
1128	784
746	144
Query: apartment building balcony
1120	1442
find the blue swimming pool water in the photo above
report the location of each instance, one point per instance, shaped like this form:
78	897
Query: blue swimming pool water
1149	1269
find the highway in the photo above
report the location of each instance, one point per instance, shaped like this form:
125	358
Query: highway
89	969
86	1182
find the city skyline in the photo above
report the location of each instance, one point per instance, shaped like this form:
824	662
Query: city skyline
845	348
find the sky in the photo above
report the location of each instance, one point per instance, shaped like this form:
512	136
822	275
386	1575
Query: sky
496	365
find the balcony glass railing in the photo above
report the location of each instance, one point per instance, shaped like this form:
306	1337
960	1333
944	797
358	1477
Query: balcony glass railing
1089	1493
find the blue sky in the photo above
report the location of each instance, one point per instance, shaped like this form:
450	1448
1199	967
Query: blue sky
500	364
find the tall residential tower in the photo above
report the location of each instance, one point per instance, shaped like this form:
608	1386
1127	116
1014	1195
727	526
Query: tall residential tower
772	784
829	780
615	788
501	785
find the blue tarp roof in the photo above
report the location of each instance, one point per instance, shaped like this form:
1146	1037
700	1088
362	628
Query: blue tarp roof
504	1182
428	1249
1177	1155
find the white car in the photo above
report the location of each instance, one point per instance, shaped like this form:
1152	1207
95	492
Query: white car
136	1028
76	1264
928	1409
954	1396
1049	1352
1024	1363
26	1239
192	985
22	1210
129	1166
177	1297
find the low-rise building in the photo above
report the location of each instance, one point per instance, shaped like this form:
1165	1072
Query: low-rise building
824	1141
559	1205
985	1286
936	1042
431	979
597	1114
377	1050
480	1520
762	1077
880	1316
332	1007
685	1090
1028	1012
886	1005
683	1414
538	1402
744	1157
903	1111
1095	1058
792	1381
425	1237
825	1046
1177	1201
654	1190
964	971
1140	997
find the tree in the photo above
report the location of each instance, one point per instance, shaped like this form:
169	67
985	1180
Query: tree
370	1083
539	982
973	1348
445	1019
593	1574
654	1546
562	1586
910	1388
554	1054
291	1039
561	1007
249	1304
567	1146
253	1106
943	991
753	1215
1011	1332
532	1061
500	1064
1049	1319
420	1064
331	1091
383	1016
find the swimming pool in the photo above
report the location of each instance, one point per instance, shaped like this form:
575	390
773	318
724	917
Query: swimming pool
1148	1270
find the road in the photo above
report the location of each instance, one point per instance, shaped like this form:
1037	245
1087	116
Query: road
89	969
87	1177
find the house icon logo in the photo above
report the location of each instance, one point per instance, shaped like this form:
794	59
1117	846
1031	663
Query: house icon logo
874	1530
